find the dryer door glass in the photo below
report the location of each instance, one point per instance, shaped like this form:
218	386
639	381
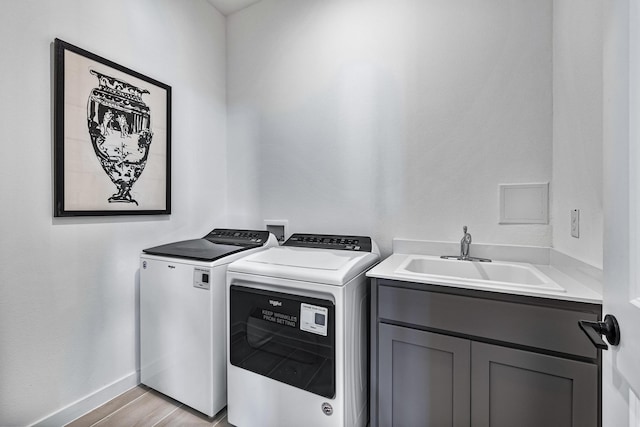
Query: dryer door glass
285	337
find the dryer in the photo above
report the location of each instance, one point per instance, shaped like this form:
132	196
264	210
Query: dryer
182	315
297	341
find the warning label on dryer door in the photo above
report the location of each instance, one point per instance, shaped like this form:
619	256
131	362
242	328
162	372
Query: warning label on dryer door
279	318
314	319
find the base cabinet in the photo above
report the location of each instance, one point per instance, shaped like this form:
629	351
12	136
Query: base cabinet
424	378
511	387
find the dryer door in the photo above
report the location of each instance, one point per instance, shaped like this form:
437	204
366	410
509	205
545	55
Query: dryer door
285	337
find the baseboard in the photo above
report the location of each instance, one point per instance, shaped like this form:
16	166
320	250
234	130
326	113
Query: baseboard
90	402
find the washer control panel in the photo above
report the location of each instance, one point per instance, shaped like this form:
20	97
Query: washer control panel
227	236
330	241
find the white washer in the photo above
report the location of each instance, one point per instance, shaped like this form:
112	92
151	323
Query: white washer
182	315
297	333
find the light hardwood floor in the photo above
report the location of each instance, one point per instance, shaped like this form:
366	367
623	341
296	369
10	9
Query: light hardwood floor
144	407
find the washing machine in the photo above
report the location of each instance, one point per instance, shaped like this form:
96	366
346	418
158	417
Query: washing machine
297	339
182	315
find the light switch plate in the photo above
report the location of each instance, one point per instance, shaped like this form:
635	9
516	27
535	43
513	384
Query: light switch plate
575	223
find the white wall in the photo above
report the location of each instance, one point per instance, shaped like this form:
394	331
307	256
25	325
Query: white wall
68	287
577	127
389	118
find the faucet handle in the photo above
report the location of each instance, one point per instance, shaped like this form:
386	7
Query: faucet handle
467	237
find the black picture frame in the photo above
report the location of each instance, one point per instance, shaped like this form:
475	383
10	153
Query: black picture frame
112	137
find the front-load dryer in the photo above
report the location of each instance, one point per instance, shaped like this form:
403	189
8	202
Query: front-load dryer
182	315
297	338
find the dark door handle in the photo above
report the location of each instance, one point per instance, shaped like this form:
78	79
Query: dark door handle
609	328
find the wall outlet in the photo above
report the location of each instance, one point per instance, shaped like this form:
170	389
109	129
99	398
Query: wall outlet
277	227
575	223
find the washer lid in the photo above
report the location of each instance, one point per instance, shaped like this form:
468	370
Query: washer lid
332	267
197	249
215	245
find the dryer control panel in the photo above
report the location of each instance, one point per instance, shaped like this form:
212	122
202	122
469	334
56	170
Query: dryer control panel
330	241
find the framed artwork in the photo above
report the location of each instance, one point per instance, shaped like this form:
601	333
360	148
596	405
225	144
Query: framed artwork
112	143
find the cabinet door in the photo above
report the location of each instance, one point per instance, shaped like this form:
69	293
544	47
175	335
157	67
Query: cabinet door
423	379
518	388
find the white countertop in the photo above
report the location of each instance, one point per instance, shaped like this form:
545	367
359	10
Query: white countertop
581	282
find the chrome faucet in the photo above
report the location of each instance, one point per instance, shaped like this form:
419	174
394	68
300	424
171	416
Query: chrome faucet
465	243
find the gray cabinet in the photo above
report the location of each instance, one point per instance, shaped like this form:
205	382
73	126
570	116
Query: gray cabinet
512	387
451	357
424	378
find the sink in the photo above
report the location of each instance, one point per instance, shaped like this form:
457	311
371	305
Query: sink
500	275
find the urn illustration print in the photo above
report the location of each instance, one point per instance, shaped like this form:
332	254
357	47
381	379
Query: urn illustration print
119	125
